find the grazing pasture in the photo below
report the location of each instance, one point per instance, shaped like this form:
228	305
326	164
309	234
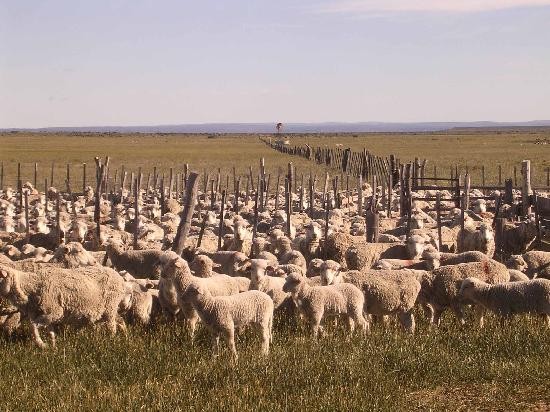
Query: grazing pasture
448	368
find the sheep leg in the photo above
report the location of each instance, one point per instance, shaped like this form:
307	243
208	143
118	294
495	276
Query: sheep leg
215	343
407	321
36	335
230	339
480	313
459	313
266	338
547	319
351	325
428	312
362	323
52	336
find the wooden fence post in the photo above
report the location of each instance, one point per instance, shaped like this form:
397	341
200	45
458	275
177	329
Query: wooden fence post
187	214
526	187
438	211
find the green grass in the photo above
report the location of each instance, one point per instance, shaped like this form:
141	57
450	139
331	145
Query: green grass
444	150
447	369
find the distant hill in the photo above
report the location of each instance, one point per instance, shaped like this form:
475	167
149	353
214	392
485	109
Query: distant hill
329	127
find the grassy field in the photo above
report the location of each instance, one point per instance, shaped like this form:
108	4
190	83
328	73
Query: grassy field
444	150
451	368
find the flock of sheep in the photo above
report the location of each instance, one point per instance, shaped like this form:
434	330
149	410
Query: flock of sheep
322	268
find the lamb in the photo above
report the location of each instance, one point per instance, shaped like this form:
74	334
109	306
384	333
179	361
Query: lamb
176	278
203	267
386	292
535	263
271	285
222	314
73	255
309	244
289	256
141	306
242	240
440	288
518	238
314	302
139	263
482	240
507	299
62	296
231	263
359	257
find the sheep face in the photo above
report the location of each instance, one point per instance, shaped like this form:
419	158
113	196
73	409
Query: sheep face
415	246
6	282
171	264
7	224
258	269
314	267
202	265
313	232
292	283
329	272
258	246
516	262
480	206
241	231
78	231
468	287
486	233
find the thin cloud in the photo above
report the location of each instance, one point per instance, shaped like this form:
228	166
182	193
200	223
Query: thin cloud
445	6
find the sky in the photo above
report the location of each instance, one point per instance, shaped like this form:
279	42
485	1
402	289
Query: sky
137	62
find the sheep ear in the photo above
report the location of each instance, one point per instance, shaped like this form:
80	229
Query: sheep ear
3	273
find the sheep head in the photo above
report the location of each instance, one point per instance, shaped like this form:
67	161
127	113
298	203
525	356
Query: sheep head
468	286
313	232
329	272
314	267
293	283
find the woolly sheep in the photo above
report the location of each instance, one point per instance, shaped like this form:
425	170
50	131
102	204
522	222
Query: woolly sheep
440	288
386	292
507	299
517	276
482	240
289	256
73	255
222	314
139	263
535	263
176	278
62	296
314	302
202	267
271	285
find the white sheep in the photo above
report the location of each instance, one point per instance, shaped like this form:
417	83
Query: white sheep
482	240
507	299
314	302
61	296
386	292
176	278
223	314
271	285
440	288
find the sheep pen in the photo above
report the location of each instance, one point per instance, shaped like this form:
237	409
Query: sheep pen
159	367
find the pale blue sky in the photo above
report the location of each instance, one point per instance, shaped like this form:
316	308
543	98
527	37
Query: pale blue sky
122	62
